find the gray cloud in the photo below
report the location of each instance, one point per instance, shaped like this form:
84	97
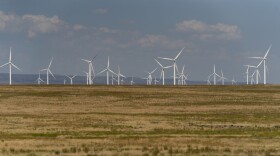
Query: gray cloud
219	31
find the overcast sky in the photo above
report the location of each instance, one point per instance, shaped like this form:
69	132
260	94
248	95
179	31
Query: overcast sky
134	32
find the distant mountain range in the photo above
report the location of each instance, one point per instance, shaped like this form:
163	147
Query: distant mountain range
59	79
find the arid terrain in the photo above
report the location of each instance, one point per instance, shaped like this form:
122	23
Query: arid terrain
140	120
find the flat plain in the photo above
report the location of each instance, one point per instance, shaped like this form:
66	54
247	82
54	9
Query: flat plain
140	120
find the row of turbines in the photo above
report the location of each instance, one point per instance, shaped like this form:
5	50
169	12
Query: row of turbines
254	76
179	77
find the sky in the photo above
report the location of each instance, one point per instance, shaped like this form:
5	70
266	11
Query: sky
134	32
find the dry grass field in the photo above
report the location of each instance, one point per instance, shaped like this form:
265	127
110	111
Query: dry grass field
139	120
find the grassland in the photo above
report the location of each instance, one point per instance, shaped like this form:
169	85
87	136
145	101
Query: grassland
139	120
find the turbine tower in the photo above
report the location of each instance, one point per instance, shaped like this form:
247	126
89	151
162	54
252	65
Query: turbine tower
71	78
10	66
48	71
263	59
108	70
90	69
174	65
162	71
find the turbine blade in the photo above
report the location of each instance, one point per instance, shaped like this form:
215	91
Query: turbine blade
68	76
256	57
158	63
259	64
267	52
85	60
153	70
94	57
4	65
15	66
50	63
168	67
166	58
179	54
51	73
102	71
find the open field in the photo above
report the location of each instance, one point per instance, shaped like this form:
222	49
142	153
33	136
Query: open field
140	120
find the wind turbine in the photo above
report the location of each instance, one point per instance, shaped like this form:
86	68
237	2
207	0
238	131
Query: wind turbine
119	75
149	78
214	74
208	80
48	71
155	81
87	77
264	63
174	60
39	80
182	77
162	71
108	70
10	66
90	69
131	82
247	72
222	78
233	81
71	78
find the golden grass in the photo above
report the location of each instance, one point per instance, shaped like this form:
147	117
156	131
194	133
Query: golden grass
139	120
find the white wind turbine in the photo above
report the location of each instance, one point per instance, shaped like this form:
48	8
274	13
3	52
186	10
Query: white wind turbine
87	77
132	82
162	71
233	81
257	72
10	66
222	78
119	75
39	80
263	59
247	72
71	78
107	69
182	77
208	80
90	69
150	78
214	74
174	65
155	81
48	71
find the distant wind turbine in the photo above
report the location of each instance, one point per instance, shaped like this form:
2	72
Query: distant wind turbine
71	78
39	80
90	70
149	78
222	78
10	66
174	65
107	69
214	74
119	75
48	71
162	71
263	59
